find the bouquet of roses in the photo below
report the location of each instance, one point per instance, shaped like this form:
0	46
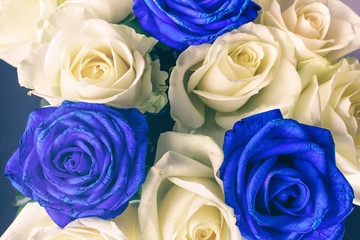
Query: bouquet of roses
204	120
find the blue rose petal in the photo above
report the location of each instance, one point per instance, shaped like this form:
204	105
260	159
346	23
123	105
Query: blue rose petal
81	160
281	179
180	24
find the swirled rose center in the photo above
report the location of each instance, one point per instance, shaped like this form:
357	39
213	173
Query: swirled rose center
238	64
99	66
247	55
94	69
205	234
283	191
312	21
243	59
72	160
205	224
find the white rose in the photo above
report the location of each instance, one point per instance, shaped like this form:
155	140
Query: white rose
182	198
246	71
18	20
96	62
23	21
112	11
33	223
331	99
327	27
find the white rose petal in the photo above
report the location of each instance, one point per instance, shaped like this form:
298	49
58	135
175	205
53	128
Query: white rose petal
246	71
182	197
331	99
329	28
33	223
18	28
96	62
29	21
112	11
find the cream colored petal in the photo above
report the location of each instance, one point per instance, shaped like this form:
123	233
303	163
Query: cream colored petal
210	229
202	148
30	71
212	197
224	103
112	11
123	64
351	173
184	208
60	19
308	108
177	206
215	80
190	162
342	78
15	54
186	108
153	88
340	10
289	15
171	164
282	93
128	223
135	41
60	55
19	19
344	142
82	228
313	20
30	217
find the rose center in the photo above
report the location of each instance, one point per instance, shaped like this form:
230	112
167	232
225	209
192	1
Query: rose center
315	20
76	163
312	21
205	234
94	70
247	55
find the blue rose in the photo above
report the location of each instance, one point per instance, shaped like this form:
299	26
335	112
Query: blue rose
280	177
80	160
179	24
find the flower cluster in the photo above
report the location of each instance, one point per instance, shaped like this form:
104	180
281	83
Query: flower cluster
242	122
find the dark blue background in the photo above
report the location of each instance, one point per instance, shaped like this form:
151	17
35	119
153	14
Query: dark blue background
15	106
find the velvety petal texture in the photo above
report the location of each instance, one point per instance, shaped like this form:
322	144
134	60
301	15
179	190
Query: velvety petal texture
180	24
280	177
80	160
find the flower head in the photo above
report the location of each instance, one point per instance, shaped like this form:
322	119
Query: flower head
80	160
280	177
